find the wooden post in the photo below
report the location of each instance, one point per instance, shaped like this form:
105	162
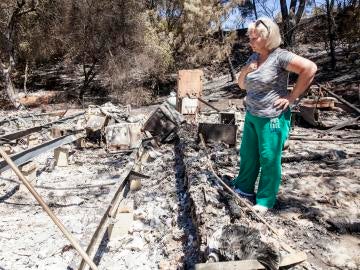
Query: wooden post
340	99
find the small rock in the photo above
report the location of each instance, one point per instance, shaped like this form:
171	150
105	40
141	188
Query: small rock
164	265
135	185
137	244
178	234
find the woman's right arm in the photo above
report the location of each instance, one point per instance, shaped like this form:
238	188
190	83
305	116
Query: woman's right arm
252	66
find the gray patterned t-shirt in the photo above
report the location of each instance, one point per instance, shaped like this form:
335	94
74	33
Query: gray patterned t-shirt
268	83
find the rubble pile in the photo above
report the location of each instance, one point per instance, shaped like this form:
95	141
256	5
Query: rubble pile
158	235
76	193
209	212
319	195
140	184
11	123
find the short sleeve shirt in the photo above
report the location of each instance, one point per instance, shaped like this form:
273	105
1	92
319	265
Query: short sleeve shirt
268	83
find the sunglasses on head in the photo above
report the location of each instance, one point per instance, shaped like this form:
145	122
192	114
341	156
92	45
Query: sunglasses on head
258	22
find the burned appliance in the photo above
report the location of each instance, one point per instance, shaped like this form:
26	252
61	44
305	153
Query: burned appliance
225	131
163	122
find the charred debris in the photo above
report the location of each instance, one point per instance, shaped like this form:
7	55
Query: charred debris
147	188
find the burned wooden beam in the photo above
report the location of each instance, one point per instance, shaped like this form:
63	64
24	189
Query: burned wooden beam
287	260
22	133
117	195
299	158
10	119
340	99
318	102
342	125
208	104
301	138
28	154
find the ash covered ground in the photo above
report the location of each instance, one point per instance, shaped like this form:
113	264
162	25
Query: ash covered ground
180	205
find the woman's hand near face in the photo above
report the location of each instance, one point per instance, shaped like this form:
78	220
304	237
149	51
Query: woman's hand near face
252	66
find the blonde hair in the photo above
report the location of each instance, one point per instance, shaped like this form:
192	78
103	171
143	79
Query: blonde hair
268	30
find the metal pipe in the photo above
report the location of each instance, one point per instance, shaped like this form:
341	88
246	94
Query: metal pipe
205	102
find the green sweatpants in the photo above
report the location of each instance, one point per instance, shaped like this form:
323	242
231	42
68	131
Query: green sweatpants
261	147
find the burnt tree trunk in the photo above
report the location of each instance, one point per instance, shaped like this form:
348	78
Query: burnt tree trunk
255	12
291	18
26	71
331	31
231	68
11	91
89	75
230	65
6	69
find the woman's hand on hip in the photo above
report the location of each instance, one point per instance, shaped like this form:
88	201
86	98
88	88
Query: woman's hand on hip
283	103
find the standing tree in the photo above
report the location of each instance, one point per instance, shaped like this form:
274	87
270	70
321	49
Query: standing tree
193	29
95	30
290	18
331	30
267	8
11	13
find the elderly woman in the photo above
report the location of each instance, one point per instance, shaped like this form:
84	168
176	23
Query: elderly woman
267	120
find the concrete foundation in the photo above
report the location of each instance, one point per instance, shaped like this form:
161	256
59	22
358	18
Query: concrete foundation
61	156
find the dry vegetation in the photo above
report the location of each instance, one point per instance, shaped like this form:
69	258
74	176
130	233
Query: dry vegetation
119	48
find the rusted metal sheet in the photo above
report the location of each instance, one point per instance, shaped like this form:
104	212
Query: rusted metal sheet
218	133
323	102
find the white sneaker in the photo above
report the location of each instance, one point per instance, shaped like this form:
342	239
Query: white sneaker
260	209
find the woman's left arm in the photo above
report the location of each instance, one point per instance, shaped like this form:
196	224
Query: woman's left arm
306	70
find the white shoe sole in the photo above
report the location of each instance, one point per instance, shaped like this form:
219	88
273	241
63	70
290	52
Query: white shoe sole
242	193
260	209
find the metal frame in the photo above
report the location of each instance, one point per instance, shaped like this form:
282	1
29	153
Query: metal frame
28	154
